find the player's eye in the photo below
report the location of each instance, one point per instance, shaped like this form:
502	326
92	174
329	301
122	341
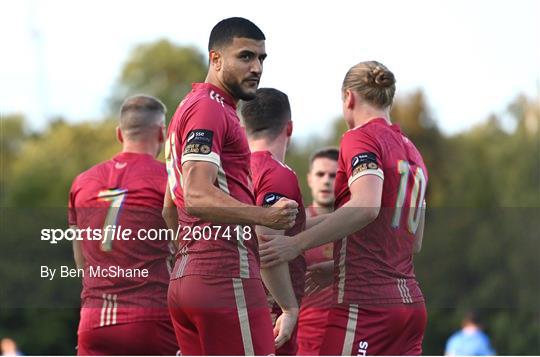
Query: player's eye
320	174
245	57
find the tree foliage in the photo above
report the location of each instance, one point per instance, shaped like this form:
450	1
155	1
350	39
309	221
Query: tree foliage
161	69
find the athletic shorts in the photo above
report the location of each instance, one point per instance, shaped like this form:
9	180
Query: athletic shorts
375	330
220	316
311	329
134	338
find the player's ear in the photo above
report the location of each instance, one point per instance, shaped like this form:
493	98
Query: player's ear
119	135
349	99
289	128
216	59
161	134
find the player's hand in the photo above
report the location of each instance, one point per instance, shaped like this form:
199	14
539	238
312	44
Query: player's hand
285	326
319	276
275	249
281	215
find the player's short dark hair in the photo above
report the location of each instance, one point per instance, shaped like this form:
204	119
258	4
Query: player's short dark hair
139	113
331	153
226	30
266	115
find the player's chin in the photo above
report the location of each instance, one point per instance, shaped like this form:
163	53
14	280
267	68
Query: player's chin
249	90
325	197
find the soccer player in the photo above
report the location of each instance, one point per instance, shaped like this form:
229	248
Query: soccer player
377	226
267	120
216	297
125	282
318	300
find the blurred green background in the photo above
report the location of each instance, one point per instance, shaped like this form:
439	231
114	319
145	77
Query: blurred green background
482	241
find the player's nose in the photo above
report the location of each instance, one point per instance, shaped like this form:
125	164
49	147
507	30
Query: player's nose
256	67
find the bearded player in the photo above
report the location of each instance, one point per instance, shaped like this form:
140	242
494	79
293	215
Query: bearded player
216	296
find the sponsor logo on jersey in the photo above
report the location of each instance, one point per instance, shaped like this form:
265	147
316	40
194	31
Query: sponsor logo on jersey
364	161
120	165
271	198
362	348
199	141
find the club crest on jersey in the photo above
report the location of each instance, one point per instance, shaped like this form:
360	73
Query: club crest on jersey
271	198
364	161
199	141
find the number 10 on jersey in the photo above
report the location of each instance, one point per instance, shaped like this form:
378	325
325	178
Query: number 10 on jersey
418	190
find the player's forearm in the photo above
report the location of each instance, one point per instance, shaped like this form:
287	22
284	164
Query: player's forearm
277	279
313	221
169	212
212	204
170	216
350	218
278	282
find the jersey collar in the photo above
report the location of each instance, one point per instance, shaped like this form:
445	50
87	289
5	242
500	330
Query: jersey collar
227	98
382	121
126	155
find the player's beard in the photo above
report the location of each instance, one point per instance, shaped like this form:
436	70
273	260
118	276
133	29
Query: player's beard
236	90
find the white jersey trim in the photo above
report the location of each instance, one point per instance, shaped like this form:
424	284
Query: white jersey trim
242	250
211	157
341	276
377	172
351	331
404	291
108	310
243	317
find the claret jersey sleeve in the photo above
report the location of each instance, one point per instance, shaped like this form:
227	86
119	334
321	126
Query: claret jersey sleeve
204	133
361	155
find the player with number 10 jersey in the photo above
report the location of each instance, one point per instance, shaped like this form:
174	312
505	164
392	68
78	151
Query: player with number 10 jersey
374	265
377	226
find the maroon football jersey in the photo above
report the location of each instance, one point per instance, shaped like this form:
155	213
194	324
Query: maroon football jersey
127	193
321	254
206	127
273	180
375	264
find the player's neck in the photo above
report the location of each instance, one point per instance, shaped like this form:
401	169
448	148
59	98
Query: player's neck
322	209
277	148
363	114
213	80
140	148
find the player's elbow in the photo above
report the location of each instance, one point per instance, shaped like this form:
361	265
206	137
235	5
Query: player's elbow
165	214
169	215
364	216
193	202
371	213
